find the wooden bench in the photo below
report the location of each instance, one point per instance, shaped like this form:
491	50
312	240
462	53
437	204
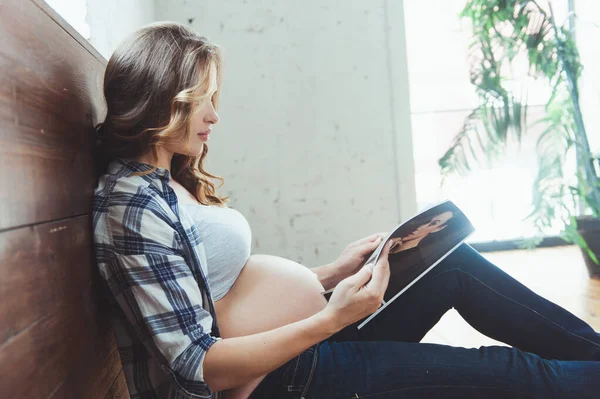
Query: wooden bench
56	340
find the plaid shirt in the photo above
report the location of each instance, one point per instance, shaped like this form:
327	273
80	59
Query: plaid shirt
153	260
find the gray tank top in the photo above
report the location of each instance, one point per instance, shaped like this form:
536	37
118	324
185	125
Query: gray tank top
227	242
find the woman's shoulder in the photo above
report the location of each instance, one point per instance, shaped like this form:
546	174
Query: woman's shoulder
134	210
122	191
123	180
110	184
126	176
119	194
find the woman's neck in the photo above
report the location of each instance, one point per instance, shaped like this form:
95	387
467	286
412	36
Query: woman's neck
162	161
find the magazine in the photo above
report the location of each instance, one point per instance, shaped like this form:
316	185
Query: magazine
420	244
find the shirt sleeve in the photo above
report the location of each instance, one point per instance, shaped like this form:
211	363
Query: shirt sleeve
157	291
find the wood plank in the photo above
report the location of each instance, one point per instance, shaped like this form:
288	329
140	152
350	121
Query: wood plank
50	98
54	327
96	379
43	269
55	351
118	389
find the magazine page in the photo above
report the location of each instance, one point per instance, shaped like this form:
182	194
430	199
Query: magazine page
419	245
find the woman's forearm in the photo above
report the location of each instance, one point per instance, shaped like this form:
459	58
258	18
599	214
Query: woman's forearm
327	275
231	362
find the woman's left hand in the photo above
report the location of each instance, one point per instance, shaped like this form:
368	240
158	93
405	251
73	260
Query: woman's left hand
355	255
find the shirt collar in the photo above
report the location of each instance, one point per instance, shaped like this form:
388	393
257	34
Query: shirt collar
128	167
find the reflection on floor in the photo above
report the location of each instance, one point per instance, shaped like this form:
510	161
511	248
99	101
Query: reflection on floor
558	274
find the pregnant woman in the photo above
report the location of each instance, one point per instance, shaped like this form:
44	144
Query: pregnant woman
198	316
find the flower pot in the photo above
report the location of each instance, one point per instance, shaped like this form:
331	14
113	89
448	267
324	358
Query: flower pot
589	228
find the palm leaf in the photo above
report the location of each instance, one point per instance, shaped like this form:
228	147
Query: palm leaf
502	31
483	136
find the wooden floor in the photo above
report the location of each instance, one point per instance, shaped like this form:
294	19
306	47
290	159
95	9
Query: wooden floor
558	274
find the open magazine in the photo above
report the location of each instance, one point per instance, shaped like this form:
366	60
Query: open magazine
420	244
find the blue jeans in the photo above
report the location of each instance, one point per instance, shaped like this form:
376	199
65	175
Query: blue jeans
553	355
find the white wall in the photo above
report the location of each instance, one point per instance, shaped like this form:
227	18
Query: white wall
314	139
111	21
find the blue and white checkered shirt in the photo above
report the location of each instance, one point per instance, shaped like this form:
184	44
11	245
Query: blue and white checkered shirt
153	260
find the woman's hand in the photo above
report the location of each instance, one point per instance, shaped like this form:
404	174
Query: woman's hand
360	294
348	263
355	255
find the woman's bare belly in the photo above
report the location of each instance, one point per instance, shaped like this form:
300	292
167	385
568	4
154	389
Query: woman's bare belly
270	292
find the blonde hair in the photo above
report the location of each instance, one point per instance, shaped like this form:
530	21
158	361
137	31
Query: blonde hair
153	83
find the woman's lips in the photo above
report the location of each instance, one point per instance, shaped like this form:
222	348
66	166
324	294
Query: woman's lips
204	135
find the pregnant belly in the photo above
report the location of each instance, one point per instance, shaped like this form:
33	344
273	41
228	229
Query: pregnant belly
270	292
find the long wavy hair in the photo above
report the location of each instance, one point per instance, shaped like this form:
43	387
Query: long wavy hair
153	83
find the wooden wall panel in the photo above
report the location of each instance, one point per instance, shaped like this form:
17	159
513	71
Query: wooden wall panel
50	97
54	323
95	379
56	339
119	389
44	268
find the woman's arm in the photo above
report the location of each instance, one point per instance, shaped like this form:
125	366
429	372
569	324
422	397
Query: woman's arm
328	275
232	362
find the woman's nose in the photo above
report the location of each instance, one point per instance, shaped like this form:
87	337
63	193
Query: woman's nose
212	117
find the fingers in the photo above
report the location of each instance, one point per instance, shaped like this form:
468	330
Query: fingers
360	278
381	271
368	247
369	239
386	250
366	240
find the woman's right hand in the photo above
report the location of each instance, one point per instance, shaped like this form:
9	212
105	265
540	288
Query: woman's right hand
361	294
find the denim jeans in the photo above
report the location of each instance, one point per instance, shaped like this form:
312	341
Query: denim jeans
553	354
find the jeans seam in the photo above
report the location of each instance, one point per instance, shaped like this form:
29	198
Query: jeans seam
448	387
311	374
292	386
520	304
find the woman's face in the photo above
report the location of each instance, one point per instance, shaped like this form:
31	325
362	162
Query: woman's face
204	116
436	224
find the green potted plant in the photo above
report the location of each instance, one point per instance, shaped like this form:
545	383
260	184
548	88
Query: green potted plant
505	31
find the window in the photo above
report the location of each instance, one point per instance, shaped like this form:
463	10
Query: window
495	198
74	12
